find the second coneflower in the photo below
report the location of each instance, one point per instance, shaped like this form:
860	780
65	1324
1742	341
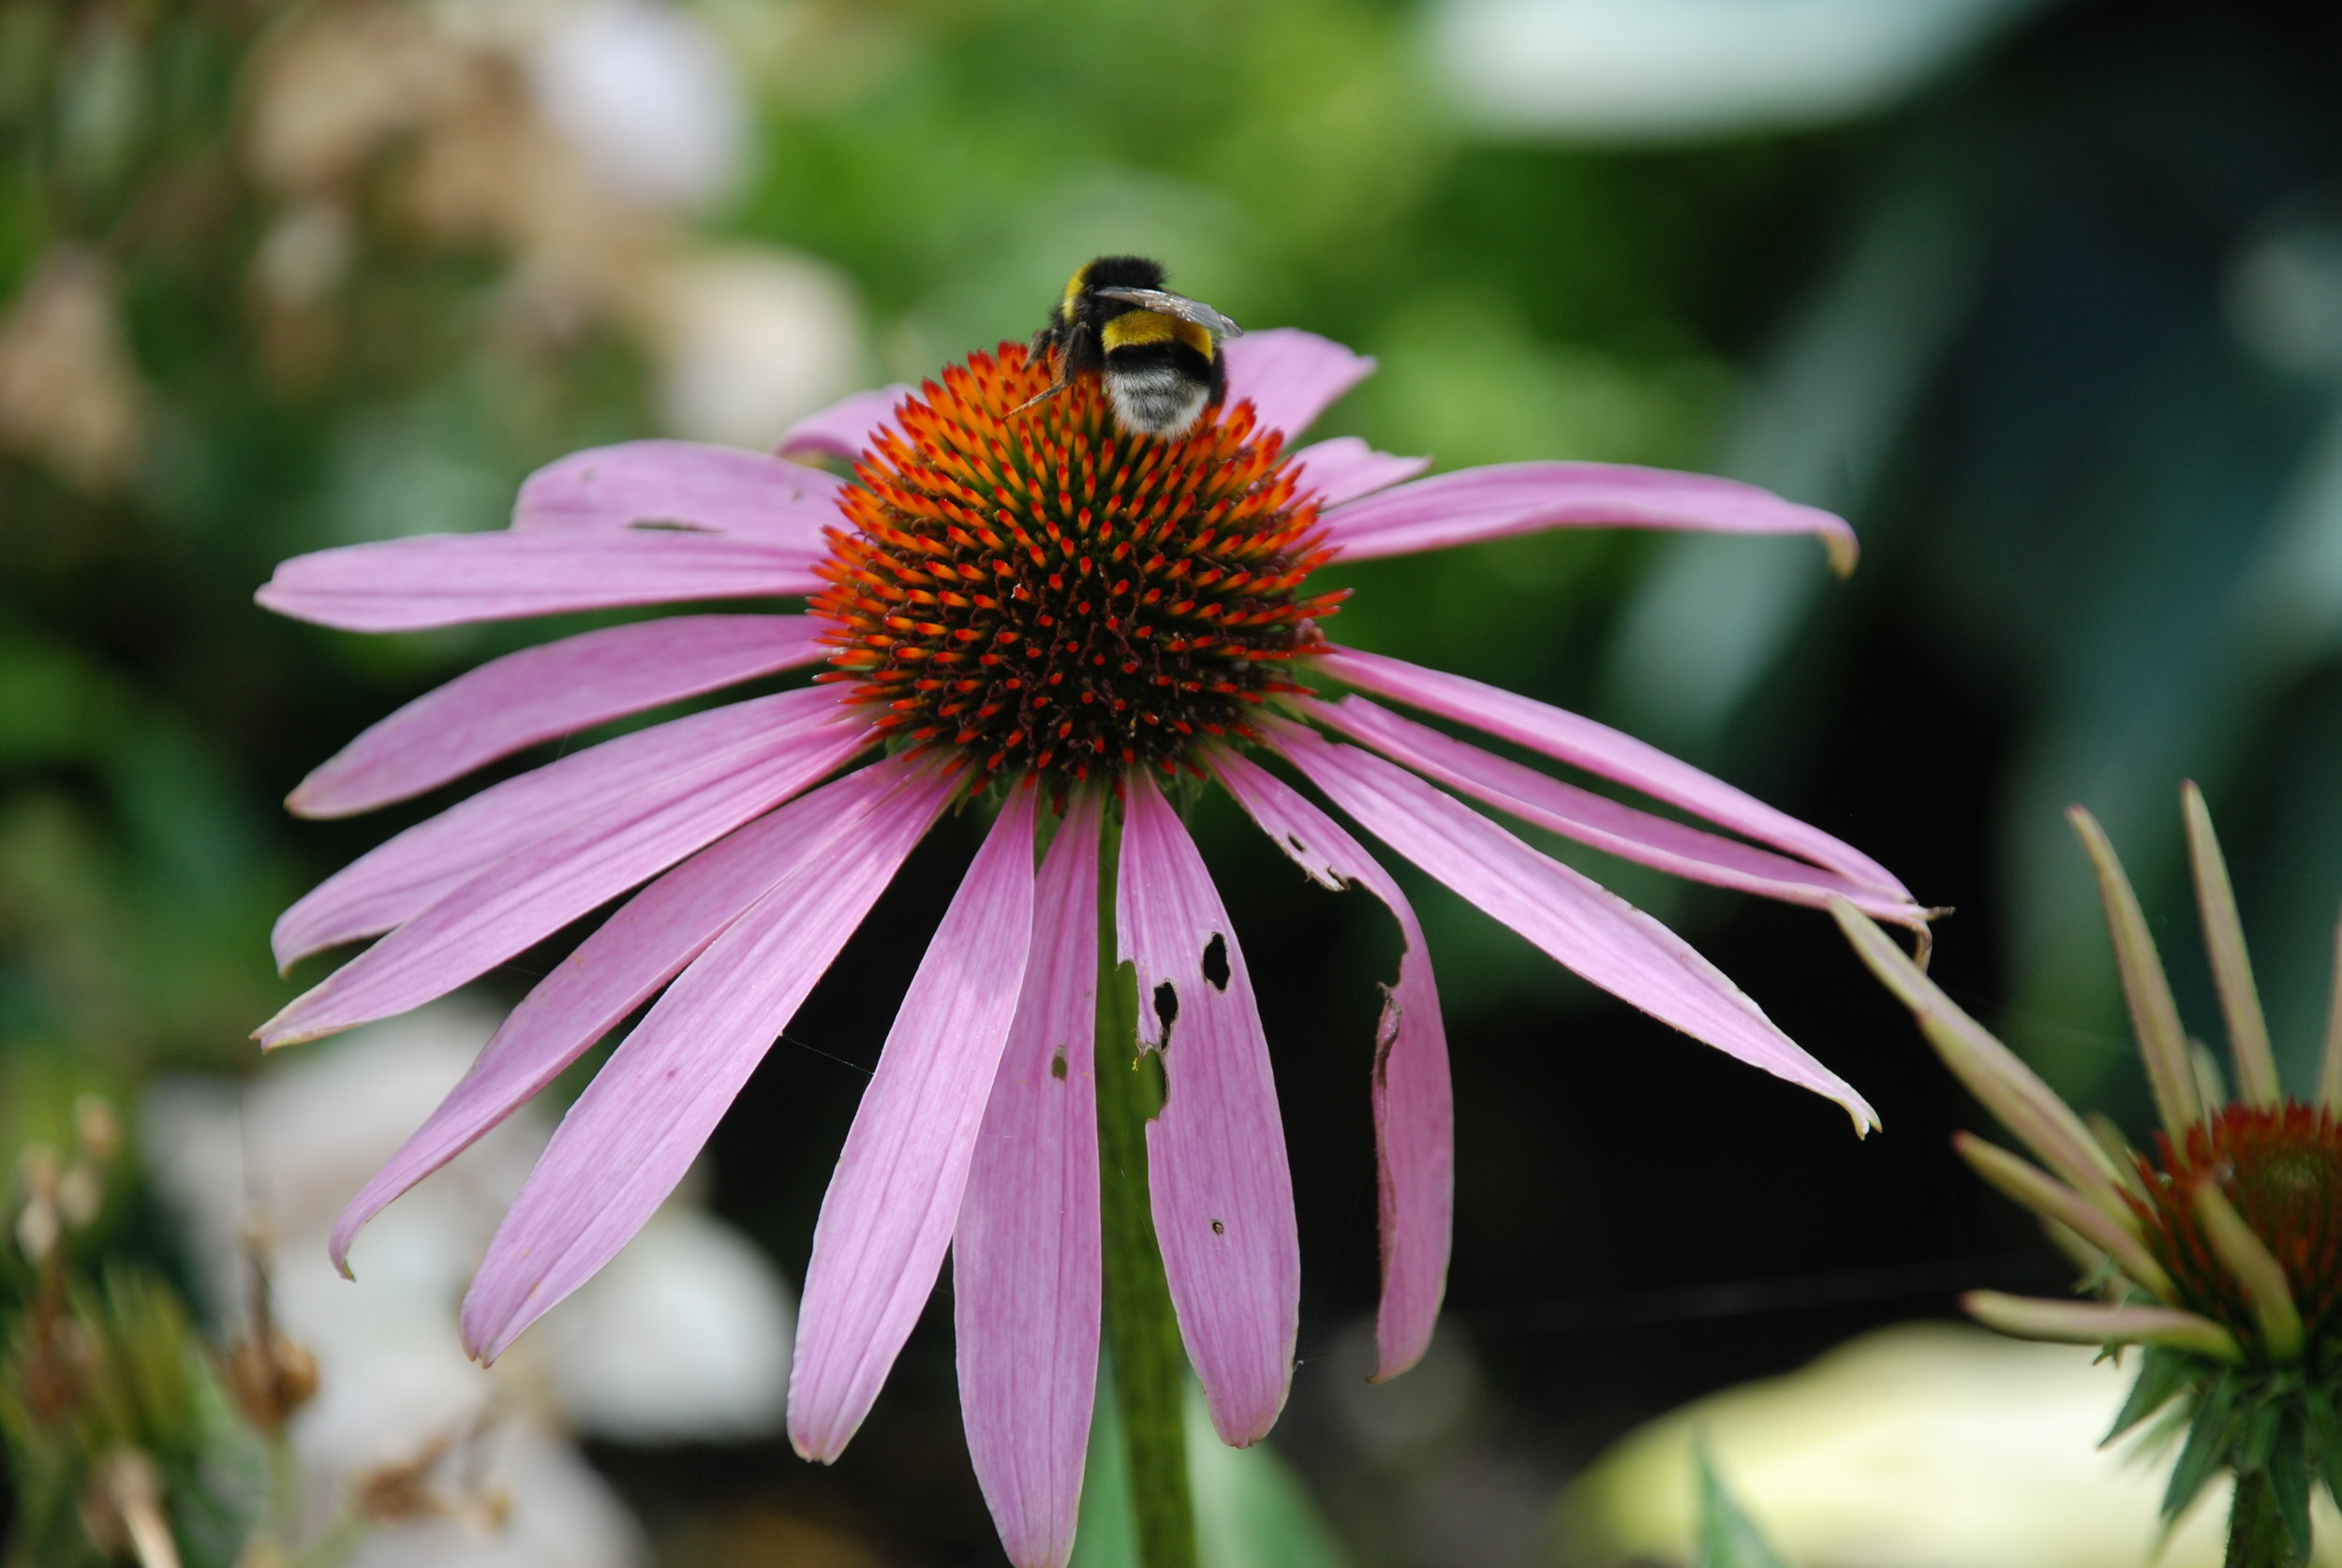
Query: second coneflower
2220	1251
1030	609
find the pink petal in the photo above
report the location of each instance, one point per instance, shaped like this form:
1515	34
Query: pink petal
846	428
1415	1108
687	484
1587	929
1215	1155
541	692
1598	748
1598	821
1507	498
644	1119
621	966
518	902
401	878
402	585
1345	469
1291	376
1025	1257
888	1214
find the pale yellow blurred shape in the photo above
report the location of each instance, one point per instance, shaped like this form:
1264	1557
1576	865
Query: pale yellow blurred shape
71	398
1926	1445
336	87
568	137
748	340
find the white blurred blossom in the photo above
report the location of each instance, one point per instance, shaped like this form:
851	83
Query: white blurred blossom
706	1333
748	340
646	93
685	1337
1632	70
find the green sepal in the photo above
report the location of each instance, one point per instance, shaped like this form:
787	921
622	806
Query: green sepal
2211	1442
2163	1372
2258	1432
2288	1477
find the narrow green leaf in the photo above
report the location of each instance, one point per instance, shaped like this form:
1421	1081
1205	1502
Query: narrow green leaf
2034	1187
2211	1089
1728	1538
1252	1511
1106	1533
2209	1435
2163	1373
2288	1476
2153	1016
2247	1258
2090	1322
2231	969
2110	1138
2330	1062
2009	1088
2259	1424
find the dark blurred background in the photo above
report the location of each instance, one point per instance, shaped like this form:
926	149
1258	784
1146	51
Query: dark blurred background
2046	298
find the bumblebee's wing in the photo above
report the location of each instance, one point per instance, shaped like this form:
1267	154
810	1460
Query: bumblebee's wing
1174	305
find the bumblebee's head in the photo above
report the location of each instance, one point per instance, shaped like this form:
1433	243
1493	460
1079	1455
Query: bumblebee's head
1153	350
1108	271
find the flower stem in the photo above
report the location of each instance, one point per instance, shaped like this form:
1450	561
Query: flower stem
2257	1537
1141	1332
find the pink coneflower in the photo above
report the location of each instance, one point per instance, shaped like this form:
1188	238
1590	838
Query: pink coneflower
1049	612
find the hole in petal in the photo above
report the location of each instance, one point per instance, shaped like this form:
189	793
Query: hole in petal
1166	1009
1216	962
1057	1065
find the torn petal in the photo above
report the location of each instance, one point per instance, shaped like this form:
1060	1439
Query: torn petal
1216	1154
1414	1109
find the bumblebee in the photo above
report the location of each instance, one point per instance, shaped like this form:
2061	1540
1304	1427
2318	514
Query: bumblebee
1154	351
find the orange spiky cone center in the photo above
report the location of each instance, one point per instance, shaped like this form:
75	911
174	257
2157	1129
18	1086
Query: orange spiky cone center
2281	1168
1046	593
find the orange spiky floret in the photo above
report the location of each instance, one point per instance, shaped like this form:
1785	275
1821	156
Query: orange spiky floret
1046	593
2281	1167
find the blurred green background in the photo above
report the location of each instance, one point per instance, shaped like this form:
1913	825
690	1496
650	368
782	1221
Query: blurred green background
2046	298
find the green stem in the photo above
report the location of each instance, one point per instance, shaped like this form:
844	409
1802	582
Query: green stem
2257	1537
1142	1334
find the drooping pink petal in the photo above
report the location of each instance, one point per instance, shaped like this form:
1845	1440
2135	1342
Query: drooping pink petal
1415	1107
644	1119
1025	1255
518	902
1222	1190
1599	821
1586	928
541	692
1581	742
399	879
887	1217
1345	469
1507	498
644	945
404	584
687	484
844	428
1291	376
